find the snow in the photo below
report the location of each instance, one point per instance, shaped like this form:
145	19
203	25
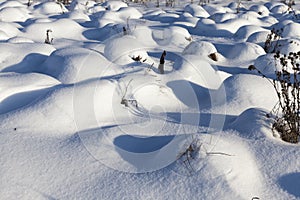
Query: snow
196	11
78	16
266	64
12	4
122	50
20	57
258	37
243	93
245	31
279	9
114	5
89	116
291	30
71	65
201	48
11	14
260	9
10	29
37	31
176	36
49	8
242	52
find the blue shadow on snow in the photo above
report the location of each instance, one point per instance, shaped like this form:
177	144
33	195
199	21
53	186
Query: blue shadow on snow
138	144
291	183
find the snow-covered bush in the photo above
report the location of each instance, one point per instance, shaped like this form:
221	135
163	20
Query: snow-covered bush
286	85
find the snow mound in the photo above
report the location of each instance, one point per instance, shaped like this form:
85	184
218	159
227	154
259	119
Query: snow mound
207	27
37	31
50	8
245	31
237	168
122	50
258	37
165	17
271	5
23	57
234	5
20	40
35	115
96	9
104	33
252	17
268	20
196	11
12	14
260	9
78	15
3	35
82	5
10	29
72	65
201	48
288	45
291	30
24	82
120	16
144	35
114	5
254	123
156	97
11	82
244	52
11	4
126	13
76	110
267	64
213	9
153	12
225	28
175	35
197	70
109	18
245	91
18	90
279	9
187	20
281	24
221	17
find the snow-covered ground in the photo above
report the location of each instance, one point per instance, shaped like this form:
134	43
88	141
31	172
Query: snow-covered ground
64	133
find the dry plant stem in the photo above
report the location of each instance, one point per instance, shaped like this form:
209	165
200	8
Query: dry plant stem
124	101
48	40
272	38
193	148
162	62
238	6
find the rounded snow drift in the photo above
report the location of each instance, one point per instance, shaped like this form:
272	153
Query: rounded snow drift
122	50
196	10
114	5
245	31
71	65
201	48
291	30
